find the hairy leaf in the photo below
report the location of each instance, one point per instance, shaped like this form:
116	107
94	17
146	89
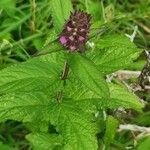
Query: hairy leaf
75	125
26	89
85	70
92	104
71	121
120	96
60	12
34	75
77	90
111	126
44	141
37	126
28	107
34	106
113	52
118	91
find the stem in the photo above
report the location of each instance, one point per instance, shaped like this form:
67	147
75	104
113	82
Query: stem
59	96
65	71
64	75
33	9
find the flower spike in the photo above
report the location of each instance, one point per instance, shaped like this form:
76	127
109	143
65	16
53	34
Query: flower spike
75	32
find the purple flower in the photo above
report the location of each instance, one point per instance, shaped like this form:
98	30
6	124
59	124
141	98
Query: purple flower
75	32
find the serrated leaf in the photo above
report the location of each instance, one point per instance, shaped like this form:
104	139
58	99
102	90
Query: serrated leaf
37	105
85	70
71	121
44	141
86	98
35	75
51	37
75	89
75	125
27	107
60	12
120	92
51	48
111	126
26	89
120	96
37	126
113	52
92	104
51	45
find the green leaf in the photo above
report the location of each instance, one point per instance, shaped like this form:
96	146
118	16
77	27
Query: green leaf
77	90
51	44
113	52
120	96
51	37
44	141
50	48
26	89
28	76
86	71
111	127
92	104
37	126
60	12
36	74
38	43
76	126
144	144
37	106
27	107
142	119
71	121
126	98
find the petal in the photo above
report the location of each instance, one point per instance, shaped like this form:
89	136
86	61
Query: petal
81	38
63	40
72	48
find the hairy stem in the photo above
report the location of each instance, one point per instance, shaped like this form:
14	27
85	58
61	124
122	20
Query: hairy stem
65	71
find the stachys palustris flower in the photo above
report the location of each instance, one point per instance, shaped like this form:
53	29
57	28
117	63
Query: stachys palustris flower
75	32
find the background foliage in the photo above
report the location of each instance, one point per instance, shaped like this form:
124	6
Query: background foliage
40	111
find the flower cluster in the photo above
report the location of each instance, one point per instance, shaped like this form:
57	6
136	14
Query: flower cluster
75	32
